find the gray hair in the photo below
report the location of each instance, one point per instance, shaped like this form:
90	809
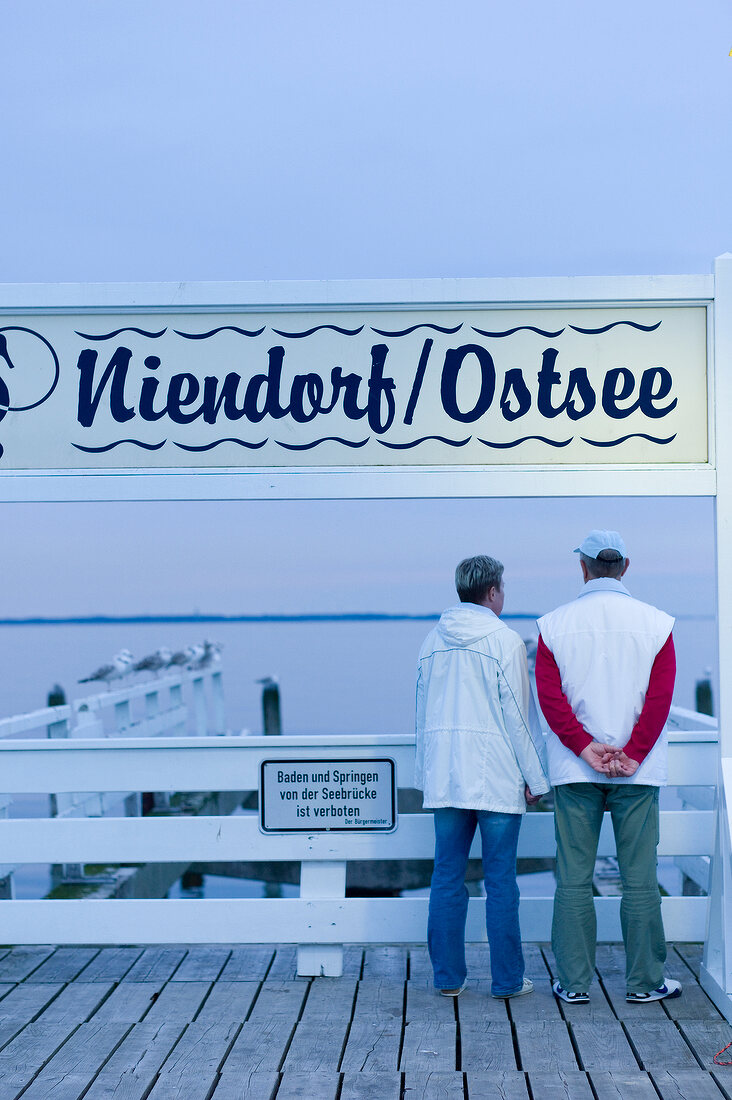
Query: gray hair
608	563
474	577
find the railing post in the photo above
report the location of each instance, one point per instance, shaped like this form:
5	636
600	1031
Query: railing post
321	880
199	707
217	701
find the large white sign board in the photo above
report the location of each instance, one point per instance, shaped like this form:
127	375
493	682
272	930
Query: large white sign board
345	388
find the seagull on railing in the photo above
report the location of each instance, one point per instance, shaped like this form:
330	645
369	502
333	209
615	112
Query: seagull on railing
179	658
120	666
204	655
154	662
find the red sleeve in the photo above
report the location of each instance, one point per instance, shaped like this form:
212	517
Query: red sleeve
657	704
554	702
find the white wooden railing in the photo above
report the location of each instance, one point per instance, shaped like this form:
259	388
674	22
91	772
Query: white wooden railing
163	706
321	918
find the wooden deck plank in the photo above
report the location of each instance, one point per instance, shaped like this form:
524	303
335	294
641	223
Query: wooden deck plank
437	1085
425	1003
609	1085
659	1045
259	1047
23	1005
420	965
375	997
247	963
26	1055
280	999
602	1045
428	1046
284	965
134	1065
129	1002
156	964
478	960
539	1005
65	964
19	963
371	1086
372	1046
306	1086
203	963
692	954
475	1006
179	1001
111	964
561	1085
76	1003
489	1047
692	1084
228	1002
192	1067
388	962
247	1086
706	1038
316	1048
545	1046
328	996
76	1063
693	1004
5	988
501	1085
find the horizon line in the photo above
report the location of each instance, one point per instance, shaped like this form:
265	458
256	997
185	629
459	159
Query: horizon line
285	617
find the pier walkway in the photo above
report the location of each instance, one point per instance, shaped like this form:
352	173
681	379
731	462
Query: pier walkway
218	1022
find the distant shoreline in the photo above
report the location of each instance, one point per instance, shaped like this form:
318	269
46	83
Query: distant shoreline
346	617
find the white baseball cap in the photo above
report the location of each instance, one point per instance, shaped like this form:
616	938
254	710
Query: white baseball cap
597	541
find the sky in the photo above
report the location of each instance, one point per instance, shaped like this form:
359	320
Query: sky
246	140
299	139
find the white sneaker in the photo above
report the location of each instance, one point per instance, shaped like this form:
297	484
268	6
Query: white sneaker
670	988
453	992
527	987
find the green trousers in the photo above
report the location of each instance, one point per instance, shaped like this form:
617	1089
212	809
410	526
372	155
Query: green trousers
578	811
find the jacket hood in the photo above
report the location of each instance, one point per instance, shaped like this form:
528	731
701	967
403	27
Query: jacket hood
467	623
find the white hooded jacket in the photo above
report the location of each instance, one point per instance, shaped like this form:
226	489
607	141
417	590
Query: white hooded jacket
478	735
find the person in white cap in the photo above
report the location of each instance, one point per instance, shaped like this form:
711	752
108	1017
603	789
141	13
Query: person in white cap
605	671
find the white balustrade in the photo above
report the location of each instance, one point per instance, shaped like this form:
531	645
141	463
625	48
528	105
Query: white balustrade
322	918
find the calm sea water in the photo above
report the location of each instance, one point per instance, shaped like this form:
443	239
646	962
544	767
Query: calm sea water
341	677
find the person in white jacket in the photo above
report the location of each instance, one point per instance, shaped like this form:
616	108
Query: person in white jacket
479	758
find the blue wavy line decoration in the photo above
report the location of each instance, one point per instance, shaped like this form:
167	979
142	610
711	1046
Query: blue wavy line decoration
130	328
221	328
217	442
317	442
118	443
317	328
606	328
517	442
406	331
416	442
622	439
519	328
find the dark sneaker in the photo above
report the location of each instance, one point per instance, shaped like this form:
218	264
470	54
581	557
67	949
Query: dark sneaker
453	992
670	988
570	998
527	987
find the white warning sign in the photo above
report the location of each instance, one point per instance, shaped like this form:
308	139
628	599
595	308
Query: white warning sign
326	795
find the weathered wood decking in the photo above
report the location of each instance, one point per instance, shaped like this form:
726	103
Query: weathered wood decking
234	1022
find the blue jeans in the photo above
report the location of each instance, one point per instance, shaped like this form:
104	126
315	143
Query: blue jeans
454	831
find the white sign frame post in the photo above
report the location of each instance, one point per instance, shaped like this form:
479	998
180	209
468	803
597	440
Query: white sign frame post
702	466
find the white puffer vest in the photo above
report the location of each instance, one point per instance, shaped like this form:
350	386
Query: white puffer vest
604	644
